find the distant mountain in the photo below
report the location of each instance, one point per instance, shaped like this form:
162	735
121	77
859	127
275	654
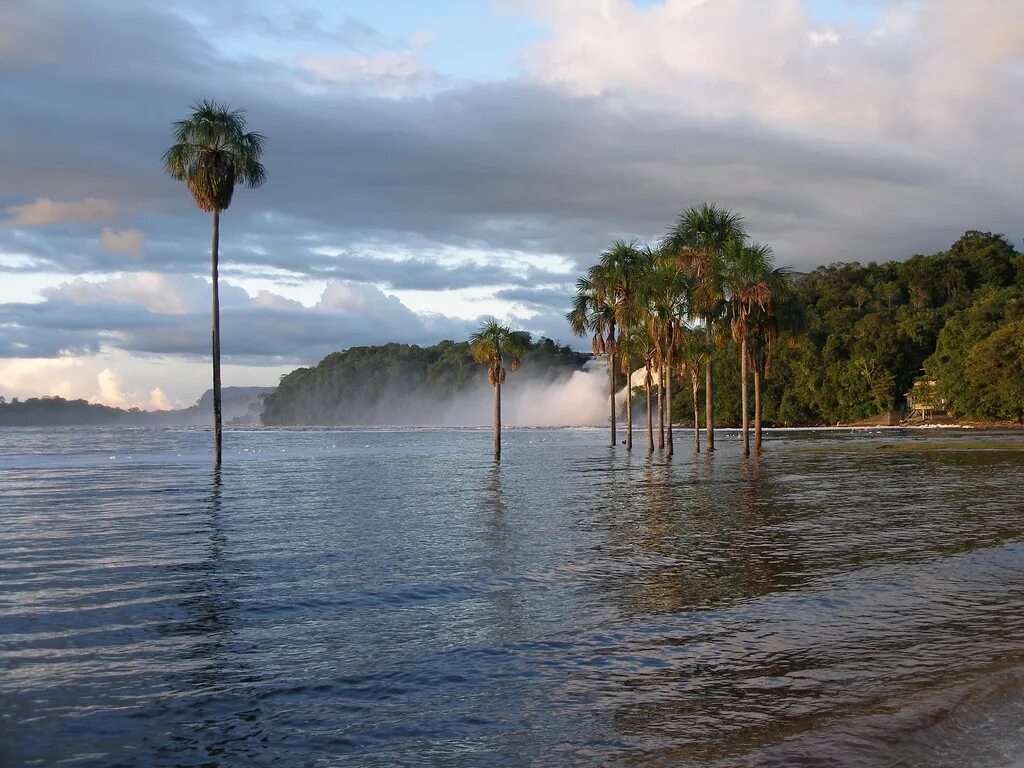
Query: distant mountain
241	406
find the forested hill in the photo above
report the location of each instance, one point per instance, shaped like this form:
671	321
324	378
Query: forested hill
955	317
398	383
241	407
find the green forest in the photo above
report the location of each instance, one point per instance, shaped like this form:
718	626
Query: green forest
871	331
385	384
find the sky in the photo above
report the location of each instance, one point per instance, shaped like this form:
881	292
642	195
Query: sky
433	163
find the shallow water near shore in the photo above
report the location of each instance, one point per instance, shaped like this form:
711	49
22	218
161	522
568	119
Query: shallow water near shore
393	598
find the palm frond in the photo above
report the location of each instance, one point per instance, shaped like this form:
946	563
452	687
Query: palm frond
212	153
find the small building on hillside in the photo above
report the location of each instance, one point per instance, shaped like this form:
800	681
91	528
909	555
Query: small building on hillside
924	400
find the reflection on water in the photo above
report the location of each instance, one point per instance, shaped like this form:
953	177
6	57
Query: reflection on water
396	598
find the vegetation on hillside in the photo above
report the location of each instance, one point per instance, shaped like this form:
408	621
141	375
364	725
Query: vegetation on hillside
955	317
844	343
394	383
241	405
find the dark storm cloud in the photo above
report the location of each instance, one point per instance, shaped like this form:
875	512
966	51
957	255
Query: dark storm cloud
500	166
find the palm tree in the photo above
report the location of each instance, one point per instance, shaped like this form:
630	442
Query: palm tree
748	277
699	239
638	344
603	303
491	345
619	269
212	153
666	291
590	313
626	366
694	351
779	315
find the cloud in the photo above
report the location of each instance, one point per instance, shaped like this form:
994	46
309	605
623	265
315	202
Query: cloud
160	294
158	401
165	315
616	125
128	241
180	380
44	212
109	391
390	72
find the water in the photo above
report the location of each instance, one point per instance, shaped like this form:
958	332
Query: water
390	598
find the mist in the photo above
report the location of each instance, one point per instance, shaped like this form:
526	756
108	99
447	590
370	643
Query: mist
527	400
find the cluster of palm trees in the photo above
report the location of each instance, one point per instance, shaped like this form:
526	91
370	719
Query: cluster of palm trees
664	309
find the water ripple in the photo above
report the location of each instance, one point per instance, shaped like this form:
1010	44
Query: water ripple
392	598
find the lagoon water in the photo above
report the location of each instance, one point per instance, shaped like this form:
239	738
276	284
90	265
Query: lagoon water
391	598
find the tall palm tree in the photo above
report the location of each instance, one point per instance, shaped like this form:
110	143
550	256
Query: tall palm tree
666	292
626	366
749	283
694	351
603	298
700	239
491	345
620	268
779	315
592	313
212	152
638	344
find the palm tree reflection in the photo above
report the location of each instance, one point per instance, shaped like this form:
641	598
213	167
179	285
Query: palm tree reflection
207	676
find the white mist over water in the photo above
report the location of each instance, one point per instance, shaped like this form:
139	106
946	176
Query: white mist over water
582	400
579	400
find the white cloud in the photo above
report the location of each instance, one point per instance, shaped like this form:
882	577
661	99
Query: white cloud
180	381
922	74
392	72
158	401
127	241
388	72
824	37
44	212
109	390
157	292
33	377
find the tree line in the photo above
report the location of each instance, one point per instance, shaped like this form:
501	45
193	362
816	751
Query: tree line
844	343
952	319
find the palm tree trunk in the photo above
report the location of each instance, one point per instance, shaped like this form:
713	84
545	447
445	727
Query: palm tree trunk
214	258
709	406
744	397
629	406
661	406
650	423
497	416
668	417
757	408
696	410
611	390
